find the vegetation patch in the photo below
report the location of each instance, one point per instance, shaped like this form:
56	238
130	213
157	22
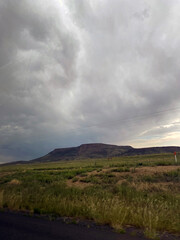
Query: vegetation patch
15	182
134	191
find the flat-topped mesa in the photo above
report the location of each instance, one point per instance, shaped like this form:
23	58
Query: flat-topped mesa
90	150
101	145
100	150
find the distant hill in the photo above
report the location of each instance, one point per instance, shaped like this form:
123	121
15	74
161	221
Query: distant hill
91	150
97	150
100	150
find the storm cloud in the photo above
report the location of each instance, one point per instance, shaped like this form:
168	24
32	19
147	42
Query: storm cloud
74	72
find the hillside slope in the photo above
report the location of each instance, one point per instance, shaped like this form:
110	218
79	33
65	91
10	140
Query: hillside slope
100	150
93	150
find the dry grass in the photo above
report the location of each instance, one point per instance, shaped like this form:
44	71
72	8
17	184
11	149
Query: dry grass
133	173
156	187
78	184
155	169
14	182
131	191
3	174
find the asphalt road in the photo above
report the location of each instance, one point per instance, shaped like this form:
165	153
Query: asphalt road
15	226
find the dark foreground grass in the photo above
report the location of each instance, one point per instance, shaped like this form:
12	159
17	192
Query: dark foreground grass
114	194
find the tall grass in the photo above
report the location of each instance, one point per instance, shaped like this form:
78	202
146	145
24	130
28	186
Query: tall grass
42	189
126	207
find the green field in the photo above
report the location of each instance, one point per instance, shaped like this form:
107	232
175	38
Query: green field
140	191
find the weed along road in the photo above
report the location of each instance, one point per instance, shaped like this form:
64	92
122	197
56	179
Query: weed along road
15	226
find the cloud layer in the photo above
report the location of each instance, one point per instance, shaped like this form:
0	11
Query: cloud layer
73	72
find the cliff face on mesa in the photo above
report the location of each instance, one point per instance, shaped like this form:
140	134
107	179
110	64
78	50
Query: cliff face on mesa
100	150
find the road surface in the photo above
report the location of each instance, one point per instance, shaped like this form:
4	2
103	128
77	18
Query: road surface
16	226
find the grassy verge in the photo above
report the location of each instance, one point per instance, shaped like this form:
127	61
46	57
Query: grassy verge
138	191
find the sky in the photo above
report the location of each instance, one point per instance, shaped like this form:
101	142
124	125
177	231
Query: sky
87	71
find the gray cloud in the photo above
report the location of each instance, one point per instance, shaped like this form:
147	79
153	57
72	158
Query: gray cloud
86	71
